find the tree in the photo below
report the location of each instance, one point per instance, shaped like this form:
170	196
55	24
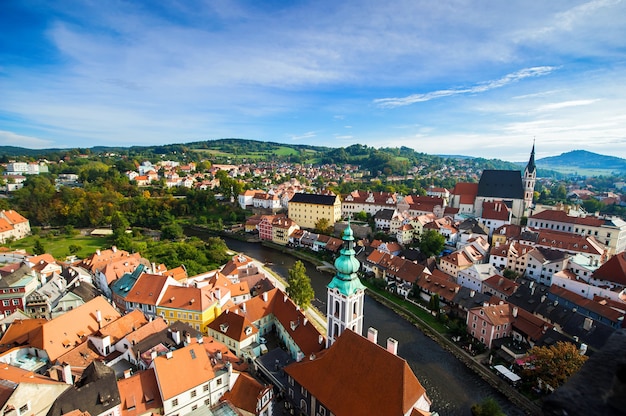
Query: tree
555	364
431	243
38	248
322	226
299	287
433	303
488	407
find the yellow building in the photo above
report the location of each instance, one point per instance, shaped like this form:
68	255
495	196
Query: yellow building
193	306
307	209
282	228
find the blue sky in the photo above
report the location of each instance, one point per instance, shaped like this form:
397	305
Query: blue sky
479	78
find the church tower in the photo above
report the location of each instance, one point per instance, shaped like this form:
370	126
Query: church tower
530	176
345	292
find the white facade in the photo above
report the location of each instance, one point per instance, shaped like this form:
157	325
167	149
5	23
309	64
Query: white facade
474	276
344	312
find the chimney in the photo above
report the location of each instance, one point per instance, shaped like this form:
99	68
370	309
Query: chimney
98	317
321	339
187	338
153	355
472	293
169	354
127	373
67	374
515	312
97	252
587	324
264	296
176	337
372	335
243	307
114	249
305	321
392	346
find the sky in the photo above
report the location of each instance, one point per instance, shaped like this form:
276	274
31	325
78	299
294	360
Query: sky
478	78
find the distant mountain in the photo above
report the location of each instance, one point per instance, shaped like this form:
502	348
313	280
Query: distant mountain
582	160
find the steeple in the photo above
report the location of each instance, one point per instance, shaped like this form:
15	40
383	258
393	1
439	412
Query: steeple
531	162
345	292
530	176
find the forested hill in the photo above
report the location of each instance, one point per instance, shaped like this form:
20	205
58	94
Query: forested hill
582	159
379	161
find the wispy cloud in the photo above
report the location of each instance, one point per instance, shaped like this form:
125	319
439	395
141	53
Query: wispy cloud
478	88
565	104
8	138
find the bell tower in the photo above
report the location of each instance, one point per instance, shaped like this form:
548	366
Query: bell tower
345	292
530	176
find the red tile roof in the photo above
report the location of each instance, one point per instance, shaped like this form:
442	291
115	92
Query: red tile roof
245	393
614	270
561	216
139	394
371	372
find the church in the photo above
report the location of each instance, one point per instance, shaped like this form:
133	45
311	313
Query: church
354	375
511	187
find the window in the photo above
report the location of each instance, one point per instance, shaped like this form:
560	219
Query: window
174	402
219	381
193	392
303	391
322	411
291	393
194	407
207	402
6	303
205	387
24	408
16	301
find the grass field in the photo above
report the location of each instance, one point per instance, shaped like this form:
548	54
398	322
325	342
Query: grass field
59	246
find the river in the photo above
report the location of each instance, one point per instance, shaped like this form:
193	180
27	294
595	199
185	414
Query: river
452	387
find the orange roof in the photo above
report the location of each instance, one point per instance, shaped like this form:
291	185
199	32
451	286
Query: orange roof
245	393
71	329
147	289
156	325
124	325
102	257
13	217
20	332
177	273
561	216
185	369
17	375
188	298
234	326
139	393
371	372
5	225
42	257
497	314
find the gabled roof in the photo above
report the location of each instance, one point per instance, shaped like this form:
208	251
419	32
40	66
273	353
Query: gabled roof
13	216
496	314
466	191
234	326
188	298
506	184
18	375
363	373
147	289
501	284
496	210
614	270
245	393
123	326
139	393
589	304
182	370
96	392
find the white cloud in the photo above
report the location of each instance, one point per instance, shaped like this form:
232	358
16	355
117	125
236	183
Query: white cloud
478	88
9	138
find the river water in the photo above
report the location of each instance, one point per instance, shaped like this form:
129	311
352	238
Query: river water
452	387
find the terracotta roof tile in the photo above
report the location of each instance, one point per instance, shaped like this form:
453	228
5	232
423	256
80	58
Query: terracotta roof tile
371	372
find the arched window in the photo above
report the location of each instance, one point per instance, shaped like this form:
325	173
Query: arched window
303	405
335	330
337	307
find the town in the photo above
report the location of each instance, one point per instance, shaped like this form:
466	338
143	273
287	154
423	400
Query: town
117	333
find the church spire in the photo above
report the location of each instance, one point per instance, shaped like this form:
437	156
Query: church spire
531	162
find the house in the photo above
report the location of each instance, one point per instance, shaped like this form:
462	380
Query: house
439	283
307	209
455	262
14	288
282	228
196	306
96	393
490	322
610	231
41	302
495	214
24	392
474	276
382	219
367	201
463	196
499	286
250	396
187	380
13	226
235	331
355	366
53	338
416	205
274	310
138	290
139	394
543	263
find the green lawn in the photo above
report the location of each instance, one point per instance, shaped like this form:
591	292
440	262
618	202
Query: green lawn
59	245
